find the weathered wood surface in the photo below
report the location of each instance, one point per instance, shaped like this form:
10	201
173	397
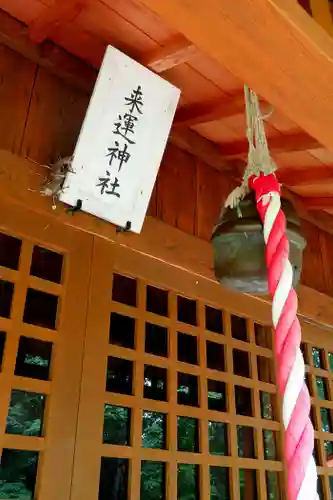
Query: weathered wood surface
41	118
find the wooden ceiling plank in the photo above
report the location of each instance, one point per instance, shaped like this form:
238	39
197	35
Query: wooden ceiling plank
299	141
178	51
307	176
273	45
60	12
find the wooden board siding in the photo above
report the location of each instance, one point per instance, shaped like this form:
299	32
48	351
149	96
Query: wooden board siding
17	76
41	117
54	119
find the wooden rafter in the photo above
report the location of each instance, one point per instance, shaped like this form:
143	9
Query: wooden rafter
319	203
321	219
60	12
273	45
320	11
194	114
177	52
206	150
204	112
299	141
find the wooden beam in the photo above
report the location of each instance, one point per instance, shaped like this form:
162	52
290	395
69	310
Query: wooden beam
60	12
305	5
14	35
318	203
320	219
306	176
320	11
273	45
178	51
279	144
207	151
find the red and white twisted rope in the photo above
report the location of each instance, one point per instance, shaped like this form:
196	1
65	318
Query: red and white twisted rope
299	433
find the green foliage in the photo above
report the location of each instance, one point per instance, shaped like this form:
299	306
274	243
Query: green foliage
316	356
219	483
116	425
321	388
218	439
188	482
35	360
25	413
188	435
269	445
330	360
266	406
272	485
17	474
153	430
18	468
152	480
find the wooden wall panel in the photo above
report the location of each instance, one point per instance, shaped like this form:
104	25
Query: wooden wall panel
55	118
212	189
176	190
17	76
313	272
326	248
152	207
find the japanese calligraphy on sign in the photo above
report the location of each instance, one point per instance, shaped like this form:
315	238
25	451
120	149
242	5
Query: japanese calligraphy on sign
119	154
122	141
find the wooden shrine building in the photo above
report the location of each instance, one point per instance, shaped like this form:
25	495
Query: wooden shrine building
127	371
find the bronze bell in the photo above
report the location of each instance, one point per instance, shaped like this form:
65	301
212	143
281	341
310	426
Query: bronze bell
239	247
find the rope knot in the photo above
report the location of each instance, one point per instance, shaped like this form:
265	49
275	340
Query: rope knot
264	186
259	162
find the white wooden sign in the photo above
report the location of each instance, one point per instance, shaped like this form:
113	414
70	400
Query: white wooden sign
121	143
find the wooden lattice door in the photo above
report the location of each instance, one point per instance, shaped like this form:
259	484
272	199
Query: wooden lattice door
124	378
44	278
178	395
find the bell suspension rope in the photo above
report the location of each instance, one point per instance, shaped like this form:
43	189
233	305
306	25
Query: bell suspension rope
299	434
